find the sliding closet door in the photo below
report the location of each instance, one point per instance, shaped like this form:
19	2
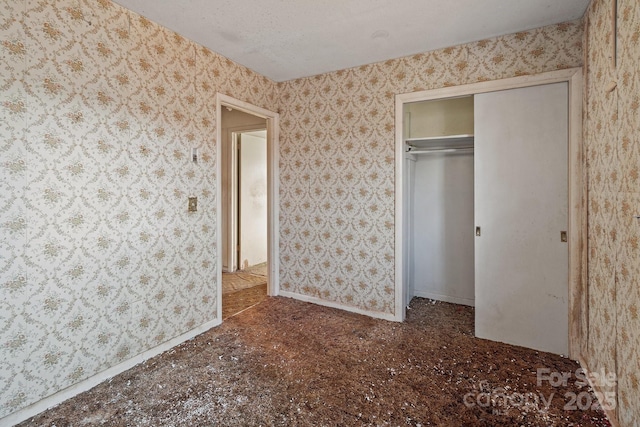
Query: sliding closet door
521	196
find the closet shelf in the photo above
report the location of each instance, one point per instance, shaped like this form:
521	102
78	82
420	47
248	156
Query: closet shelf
436	144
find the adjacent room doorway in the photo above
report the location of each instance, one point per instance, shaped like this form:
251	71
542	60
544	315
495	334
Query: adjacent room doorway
251	194
247	230
244	190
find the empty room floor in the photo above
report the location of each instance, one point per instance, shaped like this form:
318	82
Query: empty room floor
288	363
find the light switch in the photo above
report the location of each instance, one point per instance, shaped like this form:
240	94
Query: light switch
193	204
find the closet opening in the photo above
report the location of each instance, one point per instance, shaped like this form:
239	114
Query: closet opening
489	206
439	207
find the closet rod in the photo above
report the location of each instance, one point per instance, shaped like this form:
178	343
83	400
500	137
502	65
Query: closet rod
413	150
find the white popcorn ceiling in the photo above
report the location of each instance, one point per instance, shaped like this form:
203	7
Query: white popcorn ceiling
285	40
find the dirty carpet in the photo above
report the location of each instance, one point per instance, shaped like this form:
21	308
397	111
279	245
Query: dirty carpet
289	363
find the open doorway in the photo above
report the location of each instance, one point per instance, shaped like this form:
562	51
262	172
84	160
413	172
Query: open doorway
244	190
247	231
244	210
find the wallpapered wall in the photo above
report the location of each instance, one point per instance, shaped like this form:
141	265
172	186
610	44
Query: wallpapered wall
99	258
612	146
337	158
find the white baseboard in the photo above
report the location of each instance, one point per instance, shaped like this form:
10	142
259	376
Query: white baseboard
318	301
69	392
446	298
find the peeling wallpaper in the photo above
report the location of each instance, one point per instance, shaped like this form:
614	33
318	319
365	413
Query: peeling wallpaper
99	258
337	158
612	145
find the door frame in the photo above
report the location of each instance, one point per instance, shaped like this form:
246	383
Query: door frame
273	198
576	184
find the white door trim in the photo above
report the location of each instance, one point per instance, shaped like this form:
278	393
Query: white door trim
273	231
577	222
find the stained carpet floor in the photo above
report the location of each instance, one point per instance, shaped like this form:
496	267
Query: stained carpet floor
288	363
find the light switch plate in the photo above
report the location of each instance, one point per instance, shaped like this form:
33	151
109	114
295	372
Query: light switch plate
193	204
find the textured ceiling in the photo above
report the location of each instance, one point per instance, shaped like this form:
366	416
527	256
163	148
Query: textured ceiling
287	39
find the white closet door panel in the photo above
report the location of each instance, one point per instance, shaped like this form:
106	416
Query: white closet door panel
521	197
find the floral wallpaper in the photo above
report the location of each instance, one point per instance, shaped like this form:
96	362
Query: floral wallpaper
337	158
611	123
99	258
